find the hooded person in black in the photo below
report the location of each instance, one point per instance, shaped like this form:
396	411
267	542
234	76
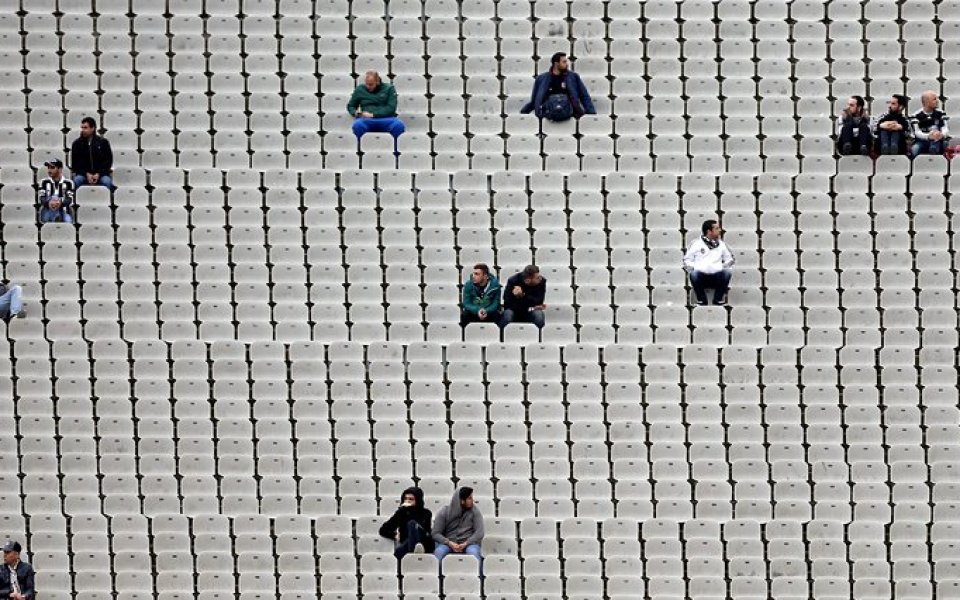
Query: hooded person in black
410	525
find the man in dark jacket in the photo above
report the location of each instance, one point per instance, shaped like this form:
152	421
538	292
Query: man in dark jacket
16	576
893	128
930	126
410	526
91	159
374	105
523	297
854	135
481	298
458	527
559	93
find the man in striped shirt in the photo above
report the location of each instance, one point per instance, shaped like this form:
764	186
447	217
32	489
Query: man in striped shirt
56	195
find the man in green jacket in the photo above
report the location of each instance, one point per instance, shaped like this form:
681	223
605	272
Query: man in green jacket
374	104
481	298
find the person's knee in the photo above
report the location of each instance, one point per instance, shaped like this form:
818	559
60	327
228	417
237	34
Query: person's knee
538	318
474	550
507	317
359	128
397	128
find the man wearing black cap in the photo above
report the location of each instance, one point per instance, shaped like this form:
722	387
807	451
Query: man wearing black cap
16	576
458	527
56	194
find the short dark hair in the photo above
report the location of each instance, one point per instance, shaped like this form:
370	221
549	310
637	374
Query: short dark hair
556	57
530	270
901	100
859	100
89	121
707	226
465	492
483	267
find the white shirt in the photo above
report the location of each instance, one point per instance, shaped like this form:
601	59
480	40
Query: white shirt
702	258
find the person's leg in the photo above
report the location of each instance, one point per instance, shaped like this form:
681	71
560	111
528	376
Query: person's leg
508	317
538	318
47	215
698	284
79	180
5	304
919	147
441	551
360	127
106	181
11	303
721	285
474	551
411	541
467	317
865	140
845	141
935	147
395	127
66	215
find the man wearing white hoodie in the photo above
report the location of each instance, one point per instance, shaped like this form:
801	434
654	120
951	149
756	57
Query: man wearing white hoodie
710	264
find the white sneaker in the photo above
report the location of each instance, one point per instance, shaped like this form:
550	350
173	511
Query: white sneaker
418	549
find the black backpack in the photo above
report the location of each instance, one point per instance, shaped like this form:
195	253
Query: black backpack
557	107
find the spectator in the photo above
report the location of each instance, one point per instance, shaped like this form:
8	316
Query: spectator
410	525
374	104
559	93
16	577
854	135
710	264
893	128
91	159
56	195
11	303
481	297
930	126
458	527
523	298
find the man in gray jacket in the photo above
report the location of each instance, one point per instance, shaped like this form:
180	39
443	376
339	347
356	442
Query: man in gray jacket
458	527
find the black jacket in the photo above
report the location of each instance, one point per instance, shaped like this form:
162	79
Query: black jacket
404	514
532	295
93	157
24	575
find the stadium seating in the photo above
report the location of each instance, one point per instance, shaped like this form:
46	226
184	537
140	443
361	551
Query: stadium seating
235	363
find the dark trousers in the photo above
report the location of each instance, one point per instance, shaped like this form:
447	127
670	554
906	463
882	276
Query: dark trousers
719	282
415	535
467	317
892	142
854	139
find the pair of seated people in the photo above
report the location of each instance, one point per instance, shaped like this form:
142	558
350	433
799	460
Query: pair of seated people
521	301
924	132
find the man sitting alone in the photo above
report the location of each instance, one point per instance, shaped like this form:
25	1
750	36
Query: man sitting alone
559	93
374	104
710	264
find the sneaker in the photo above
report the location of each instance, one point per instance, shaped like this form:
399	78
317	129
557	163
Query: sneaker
23	313
418	549
701	303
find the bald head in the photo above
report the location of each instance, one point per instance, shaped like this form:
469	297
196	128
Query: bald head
929	100
371	79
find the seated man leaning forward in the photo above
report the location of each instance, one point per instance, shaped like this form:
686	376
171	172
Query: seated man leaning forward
710	264
411	525
374	104
523	297
559	93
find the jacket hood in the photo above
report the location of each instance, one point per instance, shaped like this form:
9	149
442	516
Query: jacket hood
417	493
454	510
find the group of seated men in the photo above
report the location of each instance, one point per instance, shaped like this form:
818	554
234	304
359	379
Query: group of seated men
894	132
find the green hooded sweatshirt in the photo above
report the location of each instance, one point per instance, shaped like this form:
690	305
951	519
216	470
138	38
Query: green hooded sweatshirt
381	102
487	298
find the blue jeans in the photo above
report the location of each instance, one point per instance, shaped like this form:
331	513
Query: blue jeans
81	180
50	215
533	316
473	550
927	147
415	535
719	282
11	303
392	125
892	142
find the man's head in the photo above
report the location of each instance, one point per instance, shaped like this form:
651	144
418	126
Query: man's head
411	497
481	274
11	553
531	275
54	168
855	105
88	126
929	100
559	62
711	229
371	79
898	103
466	498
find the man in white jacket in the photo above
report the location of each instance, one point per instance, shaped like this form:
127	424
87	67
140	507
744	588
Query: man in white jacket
710	264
